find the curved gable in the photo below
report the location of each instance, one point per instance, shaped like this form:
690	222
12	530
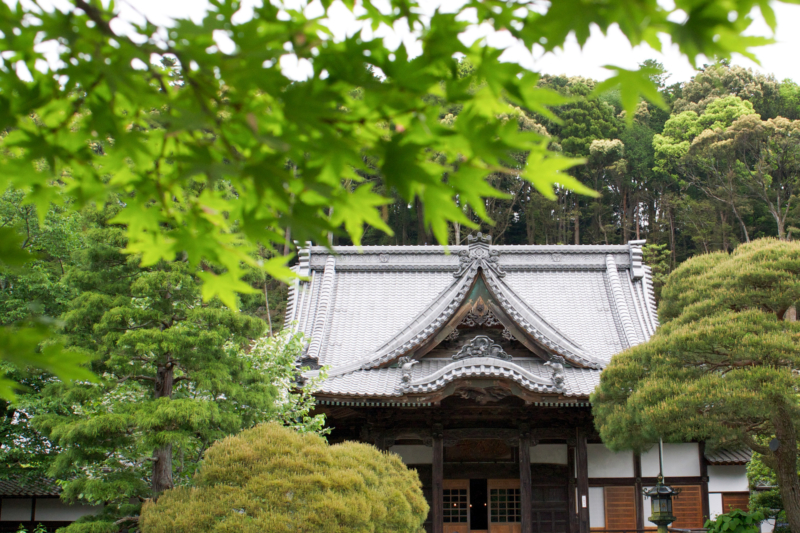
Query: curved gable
364	309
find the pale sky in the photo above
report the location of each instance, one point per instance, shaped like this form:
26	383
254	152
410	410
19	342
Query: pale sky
781	59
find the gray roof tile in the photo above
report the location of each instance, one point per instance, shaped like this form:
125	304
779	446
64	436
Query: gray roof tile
25	488
729	457
364	308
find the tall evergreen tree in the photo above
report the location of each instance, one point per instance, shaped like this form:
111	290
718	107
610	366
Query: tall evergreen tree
177	374
722	367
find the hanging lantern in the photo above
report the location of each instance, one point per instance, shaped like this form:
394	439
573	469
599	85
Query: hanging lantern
661	504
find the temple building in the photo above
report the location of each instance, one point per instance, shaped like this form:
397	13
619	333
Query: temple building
475	365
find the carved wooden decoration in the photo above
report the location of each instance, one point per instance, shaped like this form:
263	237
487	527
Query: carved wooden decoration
481	346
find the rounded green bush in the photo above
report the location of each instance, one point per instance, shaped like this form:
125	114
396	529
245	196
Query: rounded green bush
273	479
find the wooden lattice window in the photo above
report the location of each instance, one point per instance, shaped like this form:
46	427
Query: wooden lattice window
506	505
456	505
687	506
735	500
620	507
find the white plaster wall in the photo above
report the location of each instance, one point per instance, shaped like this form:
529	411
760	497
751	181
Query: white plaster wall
605	463
679	460
715	504
414	454
646	506
597	507
727	478
55	509
15	509
553	454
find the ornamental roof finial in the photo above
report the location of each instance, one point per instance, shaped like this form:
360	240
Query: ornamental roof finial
479	254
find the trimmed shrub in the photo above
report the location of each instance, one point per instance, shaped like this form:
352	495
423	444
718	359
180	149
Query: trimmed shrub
273	479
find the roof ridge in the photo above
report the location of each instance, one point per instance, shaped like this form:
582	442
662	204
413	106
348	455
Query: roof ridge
567	248
534	323
408	339
620	303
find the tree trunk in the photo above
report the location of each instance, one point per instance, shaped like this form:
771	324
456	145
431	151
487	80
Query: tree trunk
651	220
786	466
162	457
422	237
722	220
457	228
287	246
741	223
625	235
672	237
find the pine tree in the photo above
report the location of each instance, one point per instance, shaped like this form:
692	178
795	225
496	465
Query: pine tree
176	375
722	368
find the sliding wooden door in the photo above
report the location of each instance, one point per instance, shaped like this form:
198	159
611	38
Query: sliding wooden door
455	499
505	506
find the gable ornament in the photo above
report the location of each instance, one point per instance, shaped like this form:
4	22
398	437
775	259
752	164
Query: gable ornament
481	346
556	364
479	253
406	364
480	315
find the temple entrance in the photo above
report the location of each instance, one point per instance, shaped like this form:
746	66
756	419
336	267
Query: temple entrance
505	506
481	506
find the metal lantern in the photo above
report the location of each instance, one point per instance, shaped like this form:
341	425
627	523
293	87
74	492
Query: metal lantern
661	497
661	504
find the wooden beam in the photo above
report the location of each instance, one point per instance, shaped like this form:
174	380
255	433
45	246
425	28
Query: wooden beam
582	461
525	492
453	436
637	484
438	478
572	501
704	481
646	481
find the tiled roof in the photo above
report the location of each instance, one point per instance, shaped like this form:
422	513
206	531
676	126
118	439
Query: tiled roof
729	457
365	308
23	488
386	382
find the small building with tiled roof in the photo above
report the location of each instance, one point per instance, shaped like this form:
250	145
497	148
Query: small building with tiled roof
475	364
29	502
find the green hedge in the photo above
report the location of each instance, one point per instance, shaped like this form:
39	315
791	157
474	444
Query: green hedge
272	479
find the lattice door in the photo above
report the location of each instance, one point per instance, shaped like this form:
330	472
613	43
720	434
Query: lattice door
455	499
505	506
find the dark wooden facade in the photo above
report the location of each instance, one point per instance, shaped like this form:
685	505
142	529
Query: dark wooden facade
480	442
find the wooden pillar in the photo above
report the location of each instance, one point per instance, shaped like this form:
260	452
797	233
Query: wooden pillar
637	483
525	491
572	500
582	461
704	481
438	478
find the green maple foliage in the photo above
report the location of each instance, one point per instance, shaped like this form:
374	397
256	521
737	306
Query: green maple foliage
149	114
722	367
